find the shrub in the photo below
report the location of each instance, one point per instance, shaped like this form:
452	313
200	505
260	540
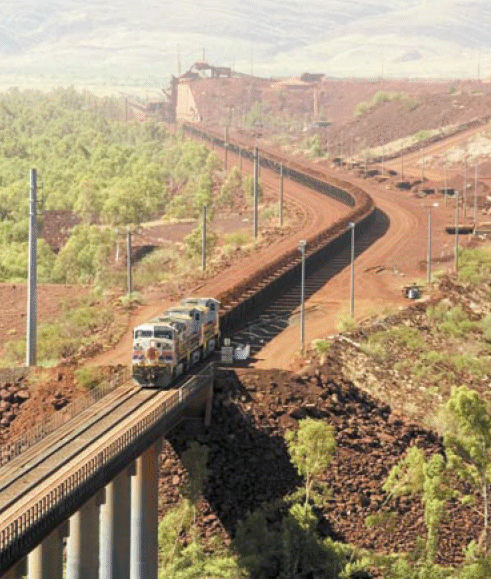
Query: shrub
406	336
346	323
422	135
130	300
194	242
486	328
62	338
322	346
474	265
89	376
451	321
154	267
379	98
411	103
238	238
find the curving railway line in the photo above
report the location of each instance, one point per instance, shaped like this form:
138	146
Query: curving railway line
51	480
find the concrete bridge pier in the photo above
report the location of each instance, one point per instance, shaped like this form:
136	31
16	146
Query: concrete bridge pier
83	543
144	515
115	527
17	571
46	560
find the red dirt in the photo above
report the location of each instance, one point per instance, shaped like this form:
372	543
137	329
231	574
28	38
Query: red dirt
393	261
50	298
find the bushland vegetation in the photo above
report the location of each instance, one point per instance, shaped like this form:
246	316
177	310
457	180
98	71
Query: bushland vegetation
112	173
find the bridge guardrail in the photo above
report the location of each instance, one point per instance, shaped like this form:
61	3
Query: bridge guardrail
24	441
18	537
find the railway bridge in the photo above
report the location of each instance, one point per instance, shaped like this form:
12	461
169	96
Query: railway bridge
93	481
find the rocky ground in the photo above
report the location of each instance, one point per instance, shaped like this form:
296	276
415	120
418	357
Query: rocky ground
349	386
378	407
250	466
29	396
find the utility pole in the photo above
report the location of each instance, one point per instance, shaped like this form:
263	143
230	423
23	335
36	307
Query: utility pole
225	145
352	284
203	241
475	198
428	265
456	232
465	189
445	181
31	342
301	246
402	162
383	156
128	262
256	191
240	160
281	195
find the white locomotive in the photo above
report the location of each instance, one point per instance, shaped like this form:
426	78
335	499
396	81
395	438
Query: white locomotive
166	346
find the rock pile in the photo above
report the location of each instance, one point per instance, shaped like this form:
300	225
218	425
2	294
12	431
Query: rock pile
13	393
249	462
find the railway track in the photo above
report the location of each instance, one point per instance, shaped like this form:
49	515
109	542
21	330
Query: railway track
32	467
284	310
239	301
65	472
64	478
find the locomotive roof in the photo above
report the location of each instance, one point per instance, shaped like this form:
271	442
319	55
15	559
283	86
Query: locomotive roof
196	300
187	308
154	322
169	321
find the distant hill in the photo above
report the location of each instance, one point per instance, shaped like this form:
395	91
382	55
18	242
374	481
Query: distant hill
117	42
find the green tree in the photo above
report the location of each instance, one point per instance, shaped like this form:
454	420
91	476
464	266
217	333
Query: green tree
311	450
191	561
203	195
294	550
248	187
467	441
88	204
230	188
413	475
416	474
85	255
195	460
193	241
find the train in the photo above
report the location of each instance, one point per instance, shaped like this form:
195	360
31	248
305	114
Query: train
165	347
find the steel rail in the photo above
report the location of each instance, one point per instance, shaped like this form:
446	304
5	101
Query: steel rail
32	524
64	441
26	440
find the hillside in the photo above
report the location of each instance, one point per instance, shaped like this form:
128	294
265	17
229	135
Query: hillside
136	45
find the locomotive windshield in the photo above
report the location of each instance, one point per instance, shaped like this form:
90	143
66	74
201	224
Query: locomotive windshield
143	334
166	334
